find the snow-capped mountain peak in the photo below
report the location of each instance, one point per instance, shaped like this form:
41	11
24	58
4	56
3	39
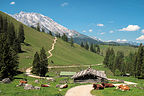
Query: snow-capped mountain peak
32	19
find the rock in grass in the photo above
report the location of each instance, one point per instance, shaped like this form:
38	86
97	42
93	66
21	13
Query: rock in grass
28	87
37	88
6	80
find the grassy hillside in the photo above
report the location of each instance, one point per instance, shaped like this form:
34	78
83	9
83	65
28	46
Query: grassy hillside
63	54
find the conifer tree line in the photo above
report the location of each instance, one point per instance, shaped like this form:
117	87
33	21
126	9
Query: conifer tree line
10	46
120	64
40	63
92	47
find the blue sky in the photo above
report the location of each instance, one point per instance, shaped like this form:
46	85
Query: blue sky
117	20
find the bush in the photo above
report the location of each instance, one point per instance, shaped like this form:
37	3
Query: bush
117	72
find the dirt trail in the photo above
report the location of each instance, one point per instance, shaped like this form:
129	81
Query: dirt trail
82	90
28	71
74	66
53	45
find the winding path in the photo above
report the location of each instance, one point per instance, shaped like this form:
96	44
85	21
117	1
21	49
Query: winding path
28	71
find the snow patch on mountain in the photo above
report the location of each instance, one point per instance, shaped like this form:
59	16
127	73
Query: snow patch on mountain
32	19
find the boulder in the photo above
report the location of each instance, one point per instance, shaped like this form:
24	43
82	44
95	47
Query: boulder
28	87
6	80
37	88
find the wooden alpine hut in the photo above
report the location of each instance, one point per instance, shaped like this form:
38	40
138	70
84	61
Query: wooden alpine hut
90	75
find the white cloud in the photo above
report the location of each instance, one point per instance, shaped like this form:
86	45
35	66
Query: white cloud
123	40
101	25
90	30
64	4
12	3
84	31
102	33
142	31
140	38
111	31
118	40
130	28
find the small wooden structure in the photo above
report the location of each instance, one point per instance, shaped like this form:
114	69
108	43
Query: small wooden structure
67	74
90	75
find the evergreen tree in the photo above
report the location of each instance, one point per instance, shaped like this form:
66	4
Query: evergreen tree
139	61
11	33
130	63
119	61
59	36
43	30
8	58
92	47
106	58
17	46
43	63
98	49
135	65
38	27
21	35
5	24
111	60
82	45
86	46
1	24
50	33
71	42
64	37
36	64
142	67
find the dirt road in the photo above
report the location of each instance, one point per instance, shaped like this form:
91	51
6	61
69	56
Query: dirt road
82	90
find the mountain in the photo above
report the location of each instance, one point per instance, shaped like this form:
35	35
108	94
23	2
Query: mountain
46	23
32	19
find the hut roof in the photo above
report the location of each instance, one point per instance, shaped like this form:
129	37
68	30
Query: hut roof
90	71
